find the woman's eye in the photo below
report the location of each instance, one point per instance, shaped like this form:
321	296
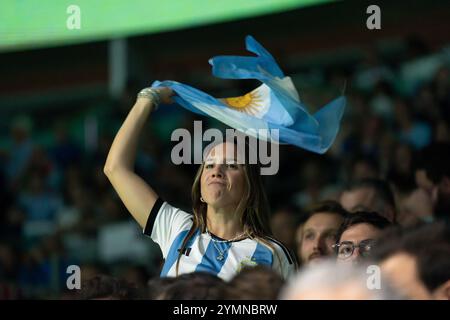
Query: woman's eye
208	166
232	166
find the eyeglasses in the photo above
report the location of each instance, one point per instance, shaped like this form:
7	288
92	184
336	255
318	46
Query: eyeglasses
345	249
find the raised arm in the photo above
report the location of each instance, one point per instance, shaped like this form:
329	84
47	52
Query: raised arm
134	192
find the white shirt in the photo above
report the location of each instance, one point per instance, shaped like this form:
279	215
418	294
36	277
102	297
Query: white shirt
168	226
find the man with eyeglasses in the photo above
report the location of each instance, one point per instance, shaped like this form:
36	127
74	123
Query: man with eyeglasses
356	236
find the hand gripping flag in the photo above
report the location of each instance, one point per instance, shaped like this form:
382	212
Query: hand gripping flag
275	104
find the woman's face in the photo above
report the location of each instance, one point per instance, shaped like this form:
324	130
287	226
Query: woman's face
222	182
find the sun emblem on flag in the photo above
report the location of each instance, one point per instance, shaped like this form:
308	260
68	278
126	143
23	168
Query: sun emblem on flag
256	103
250	103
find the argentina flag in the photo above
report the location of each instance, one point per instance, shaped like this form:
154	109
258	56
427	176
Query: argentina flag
275	104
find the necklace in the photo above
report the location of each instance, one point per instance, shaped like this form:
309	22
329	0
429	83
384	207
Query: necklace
221	253
220	257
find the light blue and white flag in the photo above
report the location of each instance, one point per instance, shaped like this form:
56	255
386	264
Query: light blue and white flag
273	105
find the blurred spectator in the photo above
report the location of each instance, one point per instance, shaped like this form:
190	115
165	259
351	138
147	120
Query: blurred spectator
364	168
91	270
42	271
283	222
417	261
40	206
370	195
76	203
442	132
401	172
254	283
6	197
194	286
413	132
12	230
372	71
157	286
414	207
328	281
382	103
357	236
34	272
20	151
110	210
433	175
315	180
104	287
9	262
371	135
65	151
425	104
136	275
440	87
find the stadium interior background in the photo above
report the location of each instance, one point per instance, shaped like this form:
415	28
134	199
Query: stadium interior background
58	118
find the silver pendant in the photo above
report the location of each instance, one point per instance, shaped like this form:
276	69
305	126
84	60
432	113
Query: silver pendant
220	258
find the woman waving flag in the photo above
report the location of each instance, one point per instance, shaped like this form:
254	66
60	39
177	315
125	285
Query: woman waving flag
274	106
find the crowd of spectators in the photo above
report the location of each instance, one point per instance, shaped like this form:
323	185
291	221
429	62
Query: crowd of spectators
382	192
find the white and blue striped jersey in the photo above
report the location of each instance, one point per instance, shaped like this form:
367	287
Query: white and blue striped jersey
168	226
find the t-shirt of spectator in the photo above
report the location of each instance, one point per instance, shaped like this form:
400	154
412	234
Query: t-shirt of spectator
168	227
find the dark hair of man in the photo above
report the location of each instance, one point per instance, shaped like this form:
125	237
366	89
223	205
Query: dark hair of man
107	287
157	286
254	283
359	217
194	286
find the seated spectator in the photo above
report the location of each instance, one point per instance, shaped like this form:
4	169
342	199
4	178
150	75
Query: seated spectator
400	173
40	206
411	130
364	167
283	224
319	231
254	283
357	235
414	207
328	281
417	261
433	175
194	286
370	195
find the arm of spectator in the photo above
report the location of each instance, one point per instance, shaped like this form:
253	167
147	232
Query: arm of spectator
135	193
